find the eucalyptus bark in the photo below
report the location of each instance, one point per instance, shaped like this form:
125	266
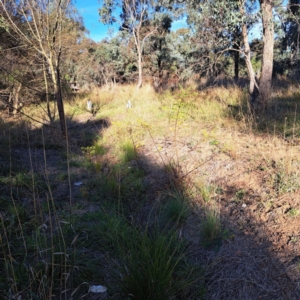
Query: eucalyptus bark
253	87
265	82
140	66
236	64
51	118
60	105
55	76
14	98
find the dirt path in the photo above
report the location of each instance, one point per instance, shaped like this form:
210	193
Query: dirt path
261	260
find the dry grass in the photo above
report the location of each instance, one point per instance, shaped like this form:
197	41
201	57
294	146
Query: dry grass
207	144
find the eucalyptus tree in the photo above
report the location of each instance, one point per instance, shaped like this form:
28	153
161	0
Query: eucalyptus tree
221	18
291	27
183	53
115	59
214	25
41	30
140	18
157	51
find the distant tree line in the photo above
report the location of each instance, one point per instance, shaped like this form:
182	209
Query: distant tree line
45	49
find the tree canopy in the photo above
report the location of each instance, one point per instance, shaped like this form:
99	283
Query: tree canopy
216	41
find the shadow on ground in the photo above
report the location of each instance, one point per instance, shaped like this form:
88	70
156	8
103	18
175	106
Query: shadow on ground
280	119
107	203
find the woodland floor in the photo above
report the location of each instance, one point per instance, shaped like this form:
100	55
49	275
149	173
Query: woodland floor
260	258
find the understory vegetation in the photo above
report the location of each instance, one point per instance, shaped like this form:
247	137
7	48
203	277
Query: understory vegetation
131	199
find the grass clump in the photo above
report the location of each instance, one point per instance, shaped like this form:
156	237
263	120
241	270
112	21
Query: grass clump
240	194
128	151
205	191
284	182
293	212
152	261
155	269
211	229
176	207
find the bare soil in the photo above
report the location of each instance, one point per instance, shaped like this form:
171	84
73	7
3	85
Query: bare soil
261	259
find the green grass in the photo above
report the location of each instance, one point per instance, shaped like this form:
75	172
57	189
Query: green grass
128	151
41	257
205	191
293	212
240	194
211	229
152	261
155	269
176	208
119	182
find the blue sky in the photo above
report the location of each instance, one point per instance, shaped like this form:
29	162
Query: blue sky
88	9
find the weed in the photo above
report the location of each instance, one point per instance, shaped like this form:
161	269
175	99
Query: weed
104	185
284	182
97	149
152	261
132	186
293	212
205	133
40	259
240	194
230	150
100	149
62	176
205	192
214	143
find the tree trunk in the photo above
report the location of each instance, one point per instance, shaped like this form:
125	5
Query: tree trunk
265	82
55	75
105	78
51	118
236	62
140	82
15	100
253	87
60	105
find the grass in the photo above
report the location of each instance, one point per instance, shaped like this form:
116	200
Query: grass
293	212
111	230
155	269
240	194
37	260
176	208
152	261
211	229
128	151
